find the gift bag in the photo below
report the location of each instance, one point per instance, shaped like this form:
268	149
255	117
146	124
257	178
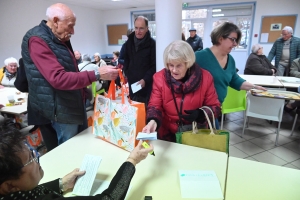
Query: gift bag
118	121
211	138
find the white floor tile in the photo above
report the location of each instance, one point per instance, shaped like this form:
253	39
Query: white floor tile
235	152
281	140
296	163
269	158
293	146
285	154
234	139
253	132
249	148
230	126
263	142
290	166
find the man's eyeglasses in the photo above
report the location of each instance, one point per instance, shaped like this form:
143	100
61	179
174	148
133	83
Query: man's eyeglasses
35	157
232	39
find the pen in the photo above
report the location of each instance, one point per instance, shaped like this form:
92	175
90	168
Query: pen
146	145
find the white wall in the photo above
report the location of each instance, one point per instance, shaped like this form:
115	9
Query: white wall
17	17
90	30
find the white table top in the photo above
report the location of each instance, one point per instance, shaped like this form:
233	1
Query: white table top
156	176
16	109
249	180
289	82
262	80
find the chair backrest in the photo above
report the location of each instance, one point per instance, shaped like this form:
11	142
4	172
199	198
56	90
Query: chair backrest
264	107
235	101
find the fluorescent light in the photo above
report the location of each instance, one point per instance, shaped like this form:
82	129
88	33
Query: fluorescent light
216	10
218	15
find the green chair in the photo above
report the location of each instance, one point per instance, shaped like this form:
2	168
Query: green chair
235	101
94	90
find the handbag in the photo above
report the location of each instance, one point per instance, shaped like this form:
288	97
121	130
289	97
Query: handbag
211	138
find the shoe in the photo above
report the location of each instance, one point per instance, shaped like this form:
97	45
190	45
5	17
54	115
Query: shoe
286	109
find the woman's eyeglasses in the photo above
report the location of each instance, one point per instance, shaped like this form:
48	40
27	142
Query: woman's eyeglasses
232	39
35	157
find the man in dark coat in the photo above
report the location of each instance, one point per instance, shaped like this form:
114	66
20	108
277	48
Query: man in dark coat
194	40
140	60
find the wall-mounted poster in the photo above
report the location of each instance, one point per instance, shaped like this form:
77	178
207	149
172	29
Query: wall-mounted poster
276	27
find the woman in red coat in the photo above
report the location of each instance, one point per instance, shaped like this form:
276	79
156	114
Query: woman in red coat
180	90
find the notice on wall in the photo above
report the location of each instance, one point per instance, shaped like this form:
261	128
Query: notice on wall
264	37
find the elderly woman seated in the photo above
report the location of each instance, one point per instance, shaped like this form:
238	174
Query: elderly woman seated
178	92
20	172
98	61
258	63
9	72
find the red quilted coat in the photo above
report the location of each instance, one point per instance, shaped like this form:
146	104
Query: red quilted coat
198	89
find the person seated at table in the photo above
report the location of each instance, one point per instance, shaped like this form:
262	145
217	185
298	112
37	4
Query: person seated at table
295	68
9	72
98	61
178	92
258	64
20	172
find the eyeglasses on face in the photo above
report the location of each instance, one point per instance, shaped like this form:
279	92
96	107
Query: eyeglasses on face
35	157
232	39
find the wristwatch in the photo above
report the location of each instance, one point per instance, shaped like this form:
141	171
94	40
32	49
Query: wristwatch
97	74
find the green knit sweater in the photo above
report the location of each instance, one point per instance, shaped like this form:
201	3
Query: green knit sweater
222	77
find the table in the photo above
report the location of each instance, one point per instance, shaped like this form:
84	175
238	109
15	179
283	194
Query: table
17	109
157	176
262	80
289	82
249	180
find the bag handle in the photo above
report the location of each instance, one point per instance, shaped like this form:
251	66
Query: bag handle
213	116
208	121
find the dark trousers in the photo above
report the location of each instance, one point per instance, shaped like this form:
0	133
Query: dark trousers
49	136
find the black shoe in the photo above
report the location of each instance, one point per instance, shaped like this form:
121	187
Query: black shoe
286	109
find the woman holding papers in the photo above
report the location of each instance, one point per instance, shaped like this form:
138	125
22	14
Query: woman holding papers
20	172
178	92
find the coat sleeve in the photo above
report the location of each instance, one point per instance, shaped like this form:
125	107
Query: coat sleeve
295	68
151	71
272	53
155	105
200	47
117	188
211	98
255	65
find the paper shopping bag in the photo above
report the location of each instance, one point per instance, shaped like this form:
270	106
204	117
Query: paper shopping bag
211	138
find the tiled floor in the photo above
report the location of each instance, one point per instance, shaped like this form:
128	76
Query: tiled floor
258	143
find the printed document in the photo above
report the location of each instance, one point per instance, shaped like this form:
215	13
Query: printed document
135	87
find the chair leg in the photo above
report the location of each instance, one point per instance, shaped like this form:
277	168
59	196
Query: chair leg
295	120
245	121
278	129
222	121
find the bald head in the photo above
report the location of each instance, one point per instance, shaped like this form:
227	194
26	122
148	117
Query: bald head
61	20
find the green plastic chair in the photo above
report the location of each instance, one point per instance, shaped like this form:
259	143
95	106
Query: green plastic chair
94	92
235	101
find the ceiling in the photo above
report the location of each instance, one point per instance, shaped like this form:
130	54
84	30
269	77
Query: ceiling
120	4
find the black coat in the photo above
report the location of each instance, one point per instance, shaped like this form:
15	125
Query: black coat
258	65
195	42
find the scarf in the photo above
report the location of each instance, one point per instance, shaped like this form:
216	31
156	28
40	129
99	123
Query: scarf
192	80
31	194
10	75
138	42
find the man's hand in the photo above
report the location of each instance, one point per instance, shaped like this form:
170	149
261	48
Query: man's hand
108	72
142	83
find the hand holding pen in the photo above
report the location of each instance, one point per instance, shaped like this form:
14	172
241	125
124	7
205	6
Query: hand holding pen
139	153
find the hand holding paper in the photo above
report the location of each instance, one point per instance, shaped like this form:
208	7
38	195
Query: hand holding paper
147	136
136	87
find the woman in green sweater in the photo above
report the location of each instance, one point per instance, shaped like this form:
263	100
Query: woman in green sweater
220	63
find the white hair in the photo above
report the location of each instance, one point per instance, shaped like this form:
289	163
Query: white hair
56	11
7	61
255	48
86	57
97	54
288	29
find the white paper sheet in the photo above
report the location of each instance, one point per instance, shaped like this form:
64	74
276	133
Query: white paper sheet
147	136
200	184
84	183
136	87
264	37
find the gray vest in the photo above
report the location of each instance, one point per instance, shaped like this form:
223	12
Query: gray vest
63	106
